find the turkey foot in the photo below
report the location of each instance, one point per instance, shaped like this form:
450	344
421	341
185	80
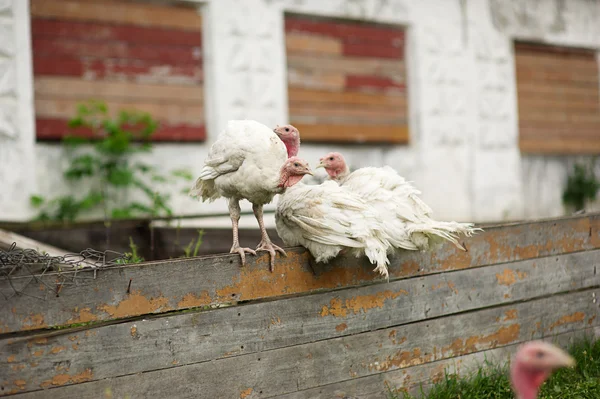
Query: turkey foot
242	252
272	249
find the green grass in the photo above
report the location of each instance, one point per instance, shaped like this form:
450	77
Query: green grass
491	381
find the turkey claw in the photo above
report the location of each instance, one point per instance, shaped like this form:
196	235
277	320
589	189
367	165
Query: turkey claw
272	249
242	252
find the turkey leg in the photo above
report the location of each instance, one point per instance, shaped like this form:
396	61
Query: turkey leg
234	212
265	243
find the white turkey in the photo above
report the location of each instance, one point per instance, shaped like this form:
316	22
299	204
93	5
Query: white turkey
326	219
533	364
245	163
407	218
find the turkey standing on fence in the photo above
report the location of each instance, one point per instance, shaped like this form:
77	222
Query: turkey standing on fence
407	218
326	219
533	364
245	163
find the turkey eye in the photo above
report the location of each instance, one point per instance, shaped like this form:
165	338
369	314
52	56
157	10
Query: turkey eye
331	158
296	165
287	129
539	355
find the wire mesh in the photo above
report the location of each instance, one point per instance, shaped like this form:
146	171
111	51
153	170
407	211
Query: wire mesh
20	268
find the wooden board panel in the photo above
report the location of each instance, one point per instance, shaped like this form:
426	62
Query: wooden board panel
119	12
300	367
357	133
343	59
66	87
253	328
219	279
61	108
558	89
55	129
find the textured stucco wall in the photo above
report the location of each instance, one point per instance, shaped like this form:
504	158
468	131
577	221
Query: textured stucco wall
463	152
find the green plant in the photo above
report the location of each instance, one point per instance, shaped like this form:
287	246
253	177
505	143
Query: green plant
187	251
582	185
103	172
133	256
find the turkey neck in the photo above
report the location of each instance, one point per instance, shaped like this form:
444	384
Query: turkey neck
292	146
287	180
527	382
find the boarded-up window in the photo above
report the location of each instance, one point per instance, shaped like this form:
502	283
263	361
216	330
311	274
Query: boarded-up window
558	96
346	80
133	55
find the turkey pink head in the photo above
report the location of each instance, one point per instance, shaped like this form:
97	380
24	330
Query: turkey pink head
533	364
335	165
290	137
292	171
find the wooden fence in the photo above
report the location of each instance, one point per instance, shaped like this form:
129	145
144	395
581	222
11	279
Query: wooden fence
207	328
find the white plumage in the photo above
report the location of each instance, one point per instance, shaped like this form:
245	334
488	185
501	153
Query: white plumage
244	163
326	219
408	223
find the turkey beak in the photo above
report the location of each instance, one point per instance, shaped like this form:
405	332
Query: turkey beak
321	164
561	358
309	172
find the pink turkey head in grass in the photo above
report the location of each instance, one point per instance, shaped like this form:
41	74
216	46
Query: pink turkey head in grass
334	164
290	137
292	171
533	364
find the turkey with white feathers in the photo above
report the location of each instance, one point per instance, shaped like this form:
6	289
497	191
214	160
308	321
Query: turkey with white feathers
245	163
326	219
408	223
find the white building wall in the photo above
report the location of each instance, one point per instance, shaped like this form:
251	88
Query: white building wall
463	152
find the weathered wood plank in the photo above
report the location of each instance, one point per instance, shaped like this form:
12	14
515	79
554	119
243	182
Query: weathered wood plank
56	129
219	279
163	54
303	43
68	87
350	98
64	108
243	330
357	133
7	238
348	65
412	378
374	33
119	12
122	70
559	146
300	367
375	114
111	32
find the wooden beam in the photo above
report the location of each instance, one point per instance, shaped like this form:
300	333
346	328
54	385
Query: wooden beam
330	361
7	238
258	327
220	280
